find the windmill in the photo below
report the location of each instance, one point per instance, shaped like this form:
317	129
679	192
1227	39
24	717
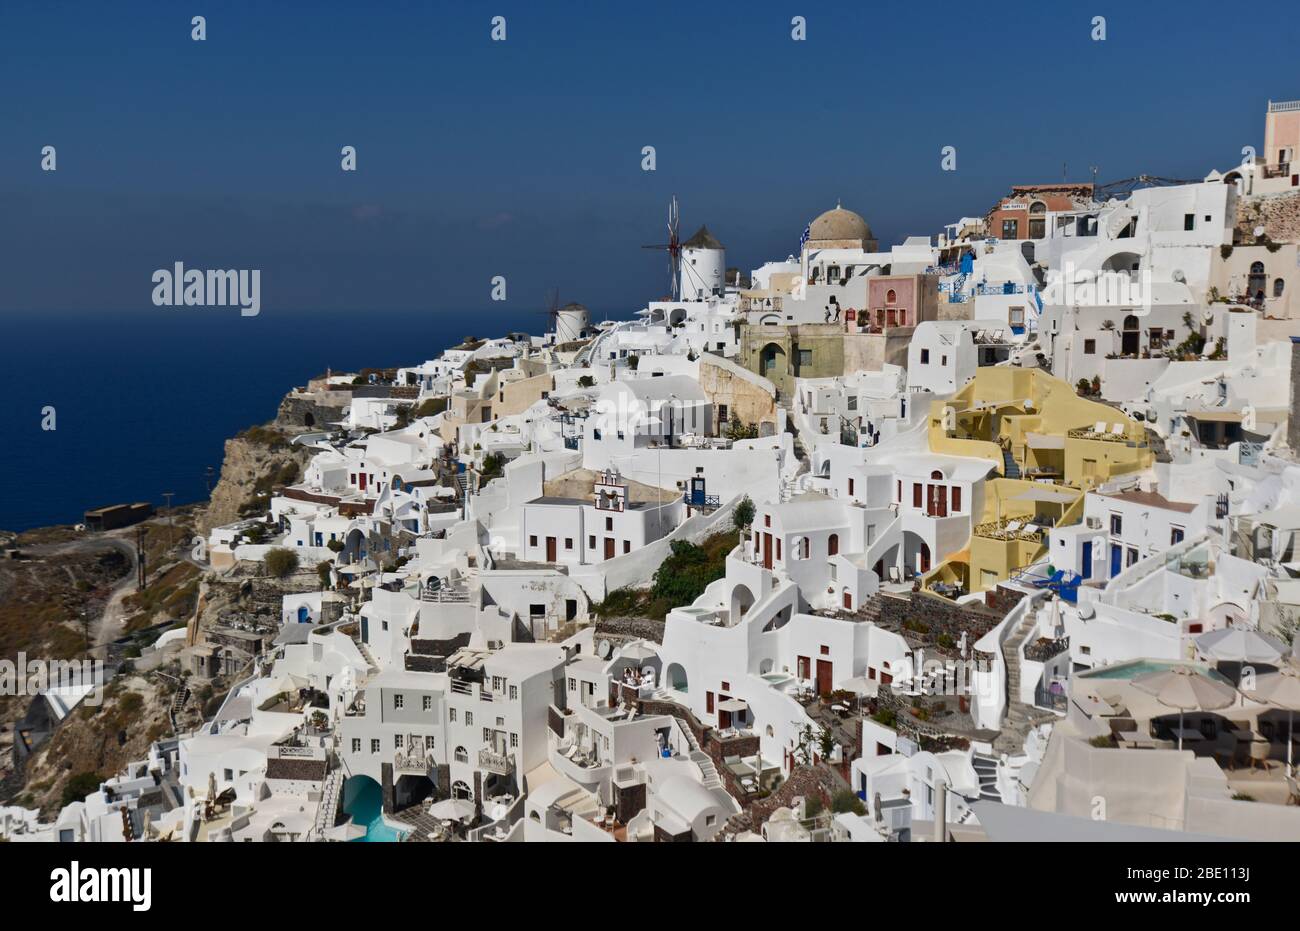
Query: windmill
552	310
674	249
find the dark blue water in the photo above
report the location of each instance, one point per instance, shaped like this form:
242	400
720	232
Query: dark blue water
145	400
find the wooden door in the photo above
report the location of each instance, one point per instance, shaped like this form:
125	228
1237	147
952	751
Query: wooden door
767	551
550	549
823	676
609	547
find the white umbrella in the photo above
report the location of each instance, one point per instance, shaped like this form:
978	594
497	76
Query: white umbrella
1184	688
637	652
861	686
1233	644
1280	689
452	809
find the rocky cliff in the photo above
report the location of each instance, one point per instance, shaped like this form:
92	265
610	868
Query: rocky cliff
255	462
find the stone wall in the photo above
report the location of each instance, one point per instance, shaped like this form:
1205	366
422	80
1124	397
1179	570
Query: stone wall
804	782
631	628
934	616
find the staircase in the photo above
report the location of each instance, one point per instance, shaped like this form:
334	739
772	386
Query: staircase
1020	718
986	771
1010	468
711	779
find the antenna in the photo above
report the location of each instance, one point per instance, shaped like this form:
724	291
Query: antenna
674	249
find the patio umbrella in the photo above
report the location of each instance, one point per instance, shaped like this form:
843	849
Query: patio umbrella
637	652
1233	644
1184	688
452	809
860	686
1280	689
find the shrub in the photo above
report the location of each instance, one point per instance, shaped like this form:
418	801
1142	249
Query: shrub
334	546
323	572
844	800
280	562
431	406
743	516
813	806
78	787
586	381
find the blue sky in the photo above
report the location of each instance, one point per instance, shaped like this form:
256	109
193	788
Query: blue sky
522	158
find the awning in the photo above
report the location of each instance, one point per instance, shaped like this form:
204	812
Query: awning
733	705
1215	416
1045	441
1045	496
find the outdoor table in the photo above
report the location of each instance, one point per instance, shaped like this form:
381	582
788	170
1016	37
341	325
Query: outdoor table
1186	734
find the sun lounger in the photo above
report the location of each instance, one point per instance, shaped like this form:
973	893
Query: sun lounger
1099	427
1117	430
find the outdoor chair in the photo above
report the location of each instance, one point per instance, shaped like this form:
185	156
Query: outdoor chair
1099	427
1259	754
1117	429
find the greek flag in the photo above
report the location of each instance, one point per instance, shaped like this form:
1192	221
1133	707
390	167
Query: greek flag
807	232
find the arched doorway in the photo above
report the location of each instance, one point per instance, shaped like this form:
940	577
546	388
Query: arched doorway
925	557
833	545
1131	337
1256	282
742	599
461	789
676	676
772	361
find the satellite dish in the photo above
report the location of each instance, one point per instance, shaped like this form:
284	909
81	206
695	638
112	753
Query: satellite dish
603	649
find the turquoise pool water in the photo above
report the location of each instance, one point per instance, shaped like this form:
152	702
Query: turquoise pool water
1141	667
362	800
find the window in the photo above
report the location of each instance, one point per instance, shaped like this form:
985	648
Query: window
398	701
568	543
891	296
451	715
925	357
850	486
805	357
1016	316
397	741
609	523
532	539
1189	221
1116	525
956	498
1010	229
514	692
1175	536
487	735
514	740
916	495
1131	557
627	546
852	402
499	683
356	744
833	544
374	745
825	650
426	703
573	685
1089	347
591	541
469	719
726	686
1278	287
462	755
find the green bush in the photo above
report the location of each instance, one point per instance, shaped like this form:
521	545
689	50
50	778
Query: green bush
743	516
813	806
430	407
78	787
844	800
280	562
586	381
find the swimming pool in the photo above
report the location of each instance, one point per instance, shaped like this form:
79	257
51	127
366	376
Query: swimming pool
362	800
1142	666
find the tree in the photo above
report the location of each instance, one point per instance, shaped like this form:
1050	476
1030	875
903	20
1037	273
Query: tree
323	573
633	362
78	787
586	381
280	562
743	516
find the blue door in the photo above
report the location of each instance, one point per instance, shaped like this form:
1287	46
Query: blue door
1116	559
304	614
1087	560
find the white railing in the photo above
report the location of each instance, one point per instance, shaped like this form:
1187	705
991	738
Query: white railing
1283	106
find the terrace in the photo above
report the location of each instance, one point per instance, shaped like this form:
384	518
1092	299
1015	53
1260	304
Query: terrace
1009	529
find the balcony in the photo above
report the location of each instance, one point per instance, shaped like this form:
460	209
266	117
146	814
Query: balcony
499	764
1009	529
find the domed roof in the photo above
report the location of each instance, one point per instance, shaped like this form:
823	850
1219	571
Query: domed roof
839	224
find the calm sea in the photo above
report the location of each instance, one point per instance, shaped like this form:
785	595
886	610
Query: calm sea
144	401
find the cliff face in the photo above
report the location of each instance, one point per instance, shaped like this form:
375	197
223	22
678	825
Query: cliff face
255	462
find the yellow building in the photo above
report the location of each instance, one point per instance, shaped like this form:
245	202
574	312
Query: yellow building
1053	446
